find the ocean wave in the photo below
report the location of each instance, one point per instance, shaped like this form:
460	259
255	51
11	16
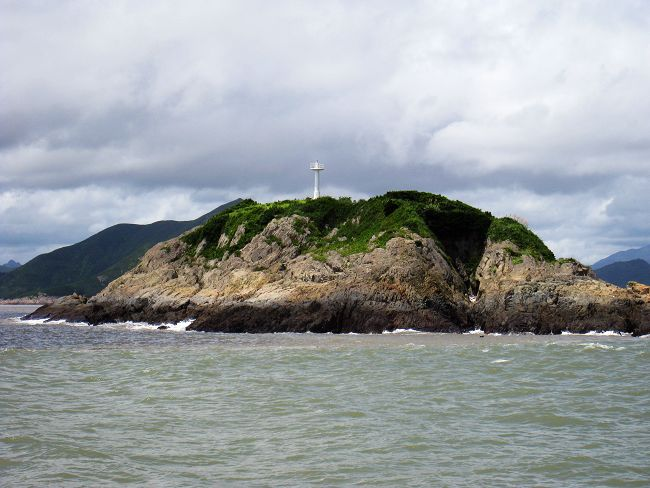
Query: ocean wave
608	333
401	331
28	321
21	321
598	333
591	346
178	326
475	331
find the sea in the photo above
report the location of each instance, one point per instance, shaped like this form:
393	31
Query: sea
127	404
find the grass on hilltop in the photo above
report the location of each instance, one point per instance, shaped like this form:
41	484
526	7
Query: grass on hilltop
508	229
461	230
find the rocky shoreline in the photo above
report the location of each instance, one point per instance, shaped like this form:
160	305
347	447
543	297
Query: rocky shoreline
358	317
272	286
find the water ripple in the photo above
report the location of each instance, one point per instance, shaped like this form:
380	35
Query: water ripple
84	406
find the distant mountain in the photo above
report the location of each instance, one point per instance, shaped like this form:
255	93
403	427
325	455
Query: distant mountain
621	272
629	255
88	266
9	266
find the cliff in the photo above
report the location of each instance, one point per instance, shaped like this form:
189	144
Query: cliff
401	260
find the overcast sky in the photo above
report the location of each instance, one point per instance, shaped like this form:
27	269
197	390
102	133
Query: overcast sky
138	111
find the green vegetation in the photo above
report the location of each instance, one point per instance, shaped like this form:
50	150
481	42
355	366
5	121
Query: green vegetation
507	229
461	230
88	266
516	256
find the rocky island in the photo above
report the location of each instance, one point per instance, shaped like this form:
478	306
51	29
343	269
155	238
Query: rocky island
403	260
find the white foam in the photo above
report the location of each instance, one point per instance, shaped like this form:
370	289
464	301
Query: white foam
400	331
607	333
501	361
183	323
475	331
47	322
178	326
590	346
30	321
594	333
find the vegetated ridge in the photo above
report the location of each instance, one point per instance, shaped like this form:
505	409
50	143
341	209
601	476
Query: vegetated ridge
348	227
401	260
88	266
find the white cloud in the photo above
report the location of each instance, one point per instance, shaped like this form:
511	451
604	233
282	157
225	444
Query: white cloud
539	106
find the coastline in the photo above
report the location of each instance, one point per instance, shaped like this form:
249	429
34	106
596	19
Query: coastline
185	326
332	317
37	300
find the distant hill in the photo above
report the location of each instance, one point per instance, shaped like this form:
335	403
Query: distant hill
621	272
9	266
629	255
88	266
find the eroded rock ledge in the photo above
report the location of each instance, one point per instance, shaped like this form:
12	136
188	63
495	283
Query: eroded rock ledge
272	285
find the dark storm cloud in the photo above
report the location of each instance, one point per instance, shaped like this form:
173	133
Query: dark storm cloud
535	108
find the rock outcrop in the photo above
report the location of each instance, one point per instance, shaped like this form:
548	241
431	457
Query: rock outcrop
547	298
271	287
272	284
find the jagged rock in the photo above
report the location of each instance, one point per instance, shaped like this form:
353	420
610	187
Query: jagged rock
542	297
271	285
238	234
639	288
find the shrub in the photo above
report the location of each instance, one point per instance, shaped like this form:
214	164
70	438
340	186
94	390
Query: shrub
508	229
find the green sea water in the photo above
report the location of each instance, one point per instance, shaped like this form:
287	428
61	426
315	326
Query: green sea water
128	404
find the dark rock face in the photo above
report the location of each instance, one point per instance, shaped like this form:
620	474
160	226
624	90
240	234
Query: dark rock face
76	308
331	315
334	316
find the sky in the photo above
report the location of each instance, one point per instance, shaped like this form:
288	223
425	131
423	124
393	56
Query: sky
136	111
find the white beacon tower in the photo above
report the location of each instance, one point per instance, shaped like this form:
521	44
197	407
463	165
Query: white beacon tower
316	167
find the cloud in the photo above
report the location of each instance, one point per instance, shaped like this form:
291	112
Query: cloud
115	106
